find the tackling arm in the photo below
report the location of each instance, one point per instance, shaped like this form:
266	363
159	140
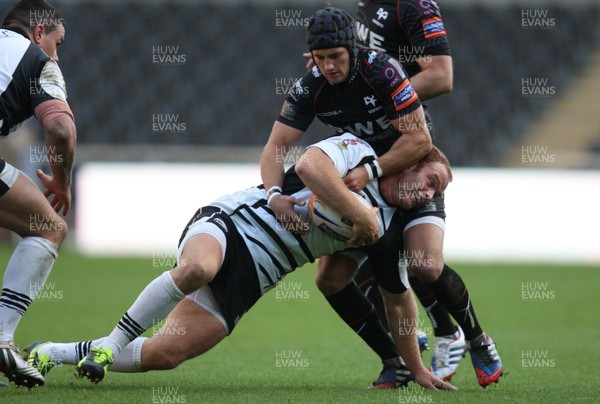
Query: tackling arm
411	147
282	137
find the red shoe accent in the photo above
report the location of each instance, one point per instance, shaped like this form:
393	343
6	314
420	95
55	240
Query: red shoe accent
449	377
485	380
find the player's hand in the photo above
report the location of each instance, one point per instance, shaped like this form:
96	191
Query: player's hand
311	63
61	195
429	381
365	229
357	179
283	207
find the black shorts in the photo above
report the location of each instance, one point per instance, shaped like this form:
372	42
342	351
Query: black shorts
374	269
235	287
434	208
384	257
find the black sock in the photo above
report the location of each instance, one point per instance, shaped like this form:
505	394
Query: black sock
358	312
450	291
440	318
368	286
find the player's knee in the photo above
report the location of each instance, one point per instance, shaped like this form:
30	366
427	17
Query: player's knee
190	275
427	268
55	230
328	285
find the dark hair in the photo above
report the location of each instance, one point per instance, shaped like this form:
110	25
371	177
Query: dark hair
29	13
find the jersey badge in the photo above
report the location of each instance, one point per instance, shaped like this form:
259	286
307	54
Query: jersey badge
404	96
382	14
369	100
433	27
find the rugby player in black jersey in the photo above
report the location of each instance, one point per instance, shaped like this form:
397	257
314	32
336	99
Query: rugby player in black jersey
31	83
413	32
357	90
234	251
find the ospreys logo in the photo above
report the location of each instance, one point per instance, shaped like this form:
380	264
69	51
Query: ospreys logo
369	100
382	14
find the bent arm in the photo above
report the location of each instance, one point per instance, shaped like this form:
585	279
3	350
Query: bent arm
58	123
282	137
435	78
411	147
319	174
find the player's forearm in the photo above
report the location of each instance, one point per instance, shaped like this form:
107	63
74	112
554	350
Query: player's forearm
435	79
58	123
411	147
271	166
279	145
60	141
319	174
403	319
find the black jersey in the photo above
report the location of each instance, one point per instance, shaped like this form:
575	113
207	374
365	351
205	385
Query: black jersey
377	91
405	29
28	77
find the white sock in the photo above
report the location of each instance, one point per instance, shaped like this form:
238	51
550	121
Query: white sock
129	359
69	353
154	303
25	275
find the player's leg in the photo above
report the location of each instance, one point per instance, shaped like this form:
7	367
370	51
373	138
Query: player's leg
200	258
334	280
424	256
188	331
24	210
425	241
365	281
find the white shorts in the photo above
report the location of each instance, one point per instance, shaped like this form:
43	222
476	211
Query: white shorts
8	177
203	297
435	220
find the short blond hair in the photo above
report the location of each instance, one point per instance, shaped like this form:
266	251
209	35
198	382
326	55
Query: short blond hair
438	156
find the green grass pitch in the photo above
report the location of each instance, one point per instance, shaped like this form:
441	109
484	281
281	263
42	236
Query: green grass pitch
291	347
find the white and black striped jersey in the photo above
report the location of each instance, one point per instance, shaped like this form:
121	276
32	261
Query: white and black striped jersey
28	77
276	251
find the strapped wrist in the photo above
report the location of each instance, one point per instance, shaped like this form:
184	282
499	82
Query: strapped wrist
273	191
373	169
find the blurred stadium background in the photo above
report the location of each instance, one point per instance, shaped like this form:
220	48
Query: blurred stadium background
202	82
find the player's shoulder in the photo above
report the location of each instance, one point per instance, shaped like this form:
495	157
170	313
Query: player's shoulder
377	66
345	147
14	44
420	8
313	76
306	86
369	58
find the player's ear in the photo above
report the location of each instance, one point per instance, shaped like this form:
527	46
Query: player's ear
37	32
